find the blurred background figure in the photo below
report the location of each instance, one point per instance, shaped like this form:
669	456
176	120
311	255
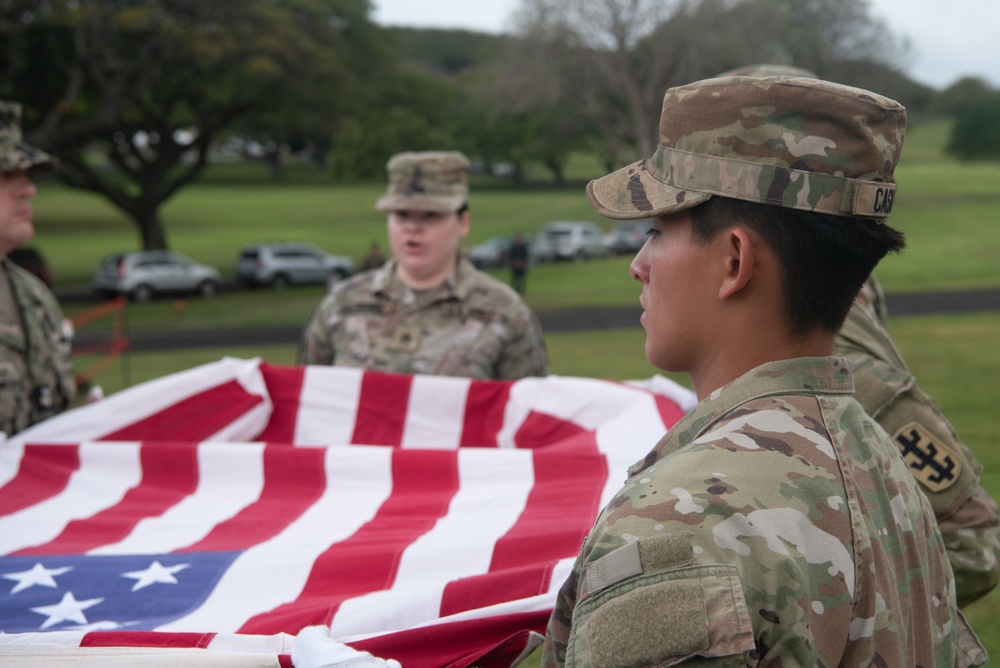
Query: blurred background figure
36	375
428	310
518	258
374	259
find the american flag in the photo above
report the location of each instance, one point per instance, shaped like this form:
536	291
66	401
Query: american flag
421	518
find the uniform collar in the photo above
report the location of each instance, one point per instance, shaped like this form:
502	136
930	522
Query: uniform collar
386	283
802	375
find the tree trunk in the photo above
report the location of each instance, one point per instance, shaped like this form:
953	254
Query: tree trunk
558	175
151	229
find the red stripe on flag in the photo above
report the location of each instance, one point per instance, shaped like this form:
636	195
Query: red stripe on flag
146	639
195	418
670	412
497	586
541	429
284	386
294	478
424	482
484	413
560	510
491	642
562	505
382	408
169	473
45	471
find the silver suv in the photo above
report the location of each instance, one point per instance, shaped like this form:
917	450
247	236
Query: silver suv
570	240
282	264
145	274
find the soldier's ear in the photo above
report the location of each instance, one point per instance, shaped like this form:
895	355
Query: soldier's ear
739	255
464	223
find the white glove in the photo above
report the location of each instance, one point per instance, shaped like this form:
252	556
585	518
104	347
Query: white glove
314	648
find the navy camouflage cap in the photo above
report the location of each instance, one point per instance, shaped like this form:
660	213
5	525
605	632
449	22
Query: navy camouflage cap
14	153
426	181
795	142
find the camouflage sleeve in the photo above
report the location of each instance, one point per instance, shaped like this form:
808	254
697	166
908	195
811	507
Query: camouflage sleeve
942	463
316	346
948	473
971	537
525	354
648	602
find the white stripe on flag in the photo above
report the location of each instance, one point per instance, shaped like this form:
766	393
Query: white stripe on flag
327	405
494	489
10	460
120	410
626	438
105	474
435	413
274	572
230	477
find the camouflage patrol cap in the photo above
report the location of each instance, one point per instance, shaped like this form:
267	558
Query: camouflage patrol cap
794	142
768	70
14	153
426	181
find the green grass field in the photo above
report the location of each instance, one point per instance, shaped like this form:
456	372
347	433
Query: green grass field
949	211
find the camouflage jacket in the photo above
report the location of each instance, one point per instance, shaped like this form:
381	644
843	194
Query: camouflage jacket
472	326
774	525
36	375
945	467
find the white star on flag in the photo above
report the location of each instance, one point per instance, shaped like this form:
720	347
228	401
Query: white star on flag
156	572
68	609
38	575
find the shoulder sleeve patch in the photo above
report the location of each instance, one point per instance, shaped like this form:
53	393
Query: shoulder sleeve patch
933	462
664	618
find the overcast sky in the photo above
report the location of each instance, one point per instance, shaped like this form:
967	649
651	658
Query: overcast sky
949	38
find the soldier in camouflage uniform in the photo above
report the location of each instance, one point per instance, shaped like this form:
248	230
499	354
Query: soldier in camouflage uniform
36	378
946	468
776	524
427	310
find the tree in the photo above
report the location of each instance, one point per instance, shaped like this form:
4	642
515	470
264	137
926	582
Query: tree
956	98
975	135
147	85
613	59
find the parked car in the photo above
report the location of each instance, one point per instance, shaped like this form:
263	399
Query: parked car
286	263
491	253
145	274
628	237
569	240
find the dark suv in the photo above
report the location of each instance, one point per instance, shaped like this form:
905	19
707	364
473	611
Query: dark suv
282	264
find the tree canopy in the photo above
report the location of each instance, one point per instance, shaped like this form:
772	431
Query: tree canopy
146	86
132	95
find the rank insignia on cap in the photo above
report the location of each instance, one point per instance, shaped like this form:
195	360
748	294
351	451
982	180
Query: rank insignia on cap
416	182
934	464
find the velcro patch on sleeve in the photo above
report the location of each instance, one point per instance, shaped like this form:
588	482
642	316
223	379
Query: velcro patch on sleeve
663	618
933	462
614	567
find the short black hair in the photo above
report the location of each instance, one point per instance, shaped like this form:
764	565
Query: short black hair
824	259
463	209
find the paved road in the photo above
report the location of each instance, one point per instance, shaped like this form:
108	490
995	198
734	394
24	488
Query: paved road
568	320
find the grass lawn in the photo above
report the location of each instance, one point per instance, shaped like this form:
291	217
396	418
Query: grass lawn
948	210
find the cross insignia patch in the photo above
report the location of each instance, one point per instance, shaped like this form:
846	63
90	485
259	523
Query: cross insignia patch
934	464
